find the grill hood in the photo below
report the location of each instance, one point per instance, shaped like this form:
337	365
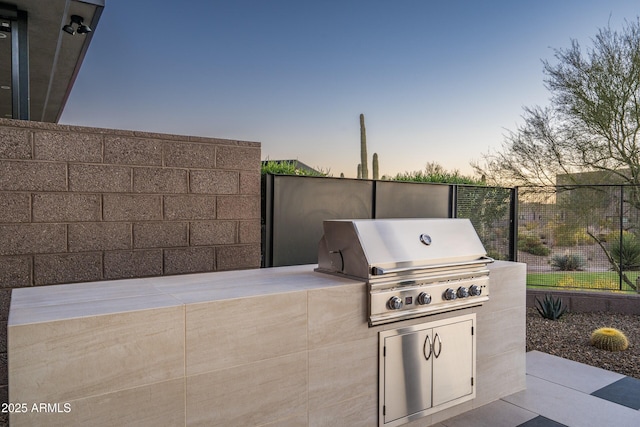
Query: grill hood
368	248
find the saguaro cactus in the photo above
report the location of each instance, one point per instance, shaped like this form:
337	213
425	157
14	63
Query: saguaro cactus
359	176
363	148
375	166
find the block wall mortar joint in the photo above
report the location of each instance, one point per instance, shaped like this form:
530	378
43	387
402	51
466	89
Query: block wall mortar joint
32	273
102	149
32	142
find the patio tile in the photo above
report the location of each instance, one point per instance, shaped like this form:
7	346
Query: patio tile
495	414
571	407
623	392
541	421
568	373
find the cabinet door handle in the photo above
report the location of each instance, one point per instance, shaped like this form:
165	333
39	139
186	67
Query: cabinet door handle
437	353
427	343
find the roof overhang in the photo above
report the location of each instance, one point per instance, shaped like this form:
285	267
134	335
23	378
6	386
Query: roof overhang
55	56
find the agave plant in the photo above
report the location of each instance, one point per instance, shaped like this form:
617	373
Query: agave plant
550	308
626	252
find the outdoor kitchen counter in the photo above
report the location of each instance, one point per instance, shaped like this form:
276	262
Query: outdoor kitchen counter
61	302
279	346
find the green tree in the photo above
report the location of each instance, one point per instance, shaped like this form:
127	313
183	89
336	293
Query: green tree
591	125
289	168
434	172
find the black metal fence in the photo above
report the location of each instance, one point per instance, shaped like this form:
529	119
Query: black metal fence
585	237
293	208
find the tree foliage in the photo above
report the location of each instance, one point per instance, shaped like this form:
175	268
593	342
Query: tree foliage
591	125
289	168
435	173
592	122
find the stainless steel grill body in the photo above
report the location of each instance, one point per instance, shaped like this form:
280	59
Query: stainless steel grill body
413	267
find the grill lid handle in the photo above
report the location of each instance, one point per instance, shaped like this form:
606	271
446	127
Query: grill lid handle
379	271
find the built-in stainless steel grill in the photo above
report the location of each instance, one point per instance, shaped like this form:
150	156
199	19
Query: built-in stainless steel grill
413	267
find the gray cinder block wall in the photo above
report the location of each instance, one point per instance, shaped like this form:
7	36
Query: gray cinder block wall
83	204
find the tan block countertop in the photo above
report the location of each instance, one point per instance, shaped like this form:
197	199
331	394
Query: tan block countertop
59	302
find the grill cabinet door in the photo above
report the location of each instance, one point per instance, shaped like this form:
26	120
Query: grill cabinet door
453	362
425	368
407	374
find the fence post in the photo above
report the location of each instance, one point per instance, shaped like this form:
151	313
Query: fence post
620	264
453	201
513	226
267	190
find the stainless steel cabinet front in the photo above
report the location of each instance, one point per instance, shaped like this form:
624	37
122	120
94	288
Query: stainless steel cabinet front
407	375
426	368
453	367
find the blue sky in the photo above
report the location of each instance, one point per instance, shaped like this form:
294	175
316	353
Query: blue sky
437	81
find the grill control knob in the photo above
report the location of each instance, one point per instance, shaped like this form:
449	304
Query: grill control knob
424	298
475	290
450	294
394	303
463	292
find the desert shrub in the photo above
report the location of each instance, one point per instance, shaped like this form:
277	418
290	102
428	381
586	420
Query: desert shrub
627	254
570	235
532	245
601	283
567	262
289	168
569	282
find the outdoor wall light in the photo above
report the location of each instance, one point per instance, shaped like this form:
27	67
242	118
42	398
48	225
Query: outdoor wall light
79	21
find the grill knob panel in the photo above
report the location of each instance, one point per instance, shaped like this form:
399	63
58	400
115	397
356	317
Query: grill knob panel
462	292
424	298
394	303
450	294
475	290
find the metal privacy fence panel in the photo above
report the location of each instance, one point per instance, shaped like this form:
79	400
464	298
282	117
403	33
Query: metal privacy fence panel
294	207
412	200
585	237
297	206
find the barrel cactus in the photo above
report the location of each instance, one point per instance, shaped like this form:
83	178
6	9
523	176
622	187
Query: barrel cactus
609	339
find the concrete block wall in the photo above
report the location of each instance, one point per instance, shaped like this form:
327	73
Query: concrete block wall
83	204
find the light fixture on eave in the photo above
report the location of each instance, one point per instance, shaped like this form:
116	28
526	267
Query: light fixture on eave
79	22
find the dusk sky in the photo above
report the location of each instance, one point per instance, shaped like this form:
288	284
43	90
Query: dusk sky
437	81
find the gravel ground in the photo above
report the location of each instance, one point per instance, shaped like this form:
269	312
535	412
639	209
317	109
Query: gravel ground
568	337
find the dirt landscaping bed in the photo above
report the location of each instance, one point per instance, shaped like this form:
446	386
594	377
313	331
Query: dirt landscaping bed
569	336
